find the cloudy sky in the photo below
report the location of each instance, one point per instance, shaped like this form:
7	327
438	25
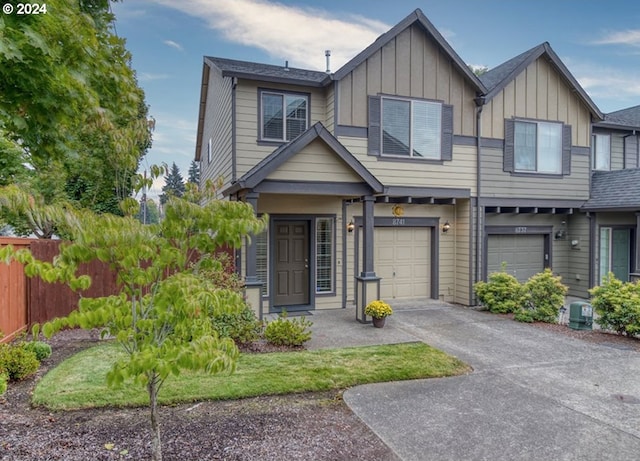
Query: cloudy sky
168	39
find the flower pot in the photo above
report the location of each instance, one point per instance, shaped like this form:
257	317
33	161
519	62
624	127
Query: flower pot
379	322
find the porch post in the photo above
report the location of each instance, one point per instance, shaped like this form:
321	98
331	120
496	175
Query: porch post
367	283
253	286
636	272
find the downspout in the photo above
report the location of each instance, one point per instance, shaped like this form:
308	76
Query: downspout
480	102
234	174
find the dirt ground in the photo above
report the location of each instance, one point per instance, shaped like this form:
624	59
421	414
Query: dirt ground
316	426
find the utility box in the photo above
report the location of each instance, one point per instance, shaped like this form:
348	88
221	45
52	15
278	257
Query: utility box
580	316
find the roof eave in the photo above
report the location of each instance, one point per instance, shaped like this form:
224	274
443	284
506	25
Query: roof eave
201	110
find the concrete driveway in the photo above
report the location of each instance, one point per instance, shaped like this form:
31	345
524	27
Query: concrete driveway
533	395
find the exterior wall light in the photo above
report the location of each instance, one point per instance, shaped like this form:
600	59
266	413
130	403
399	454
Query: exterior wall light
445	227
350	226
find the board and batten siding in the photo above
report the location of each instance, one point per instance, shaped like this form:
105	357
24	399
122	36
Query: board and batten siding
217	127
498	183
248	151
410	65
458	173
539	92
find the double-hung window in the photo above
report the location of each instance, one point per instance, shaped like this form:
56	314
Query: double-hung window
537	147
283	116
601	152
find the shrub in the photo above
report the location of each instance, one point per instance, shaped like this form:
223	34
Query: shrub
18	362
242	326
41	349
617	305
501	294
4	379
288	332
378	309
544	294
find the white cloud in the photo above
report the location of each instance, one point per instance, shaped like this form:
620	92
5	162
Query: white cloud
147	76
173	44
629	37
294	33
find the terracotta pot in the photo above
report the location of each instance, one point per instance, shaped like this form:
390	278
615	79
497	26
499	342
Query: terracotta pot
379	323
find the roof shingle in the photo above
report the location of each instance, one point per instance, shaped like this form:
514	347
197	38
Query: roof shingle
618	189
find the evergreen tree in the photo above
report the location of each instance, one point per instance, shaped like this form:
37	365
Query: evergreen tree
173	184
194	173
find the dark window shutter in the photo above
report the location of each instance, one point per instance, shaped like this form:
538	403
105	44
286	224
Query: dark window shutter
447	132
374	125
566	149
509	128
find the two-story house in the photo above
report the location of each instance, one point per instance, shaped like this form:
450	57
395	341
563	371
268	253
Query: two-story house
402	174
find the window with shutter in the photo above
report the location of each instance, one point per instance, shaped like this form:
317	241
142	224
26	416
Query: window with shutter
537	147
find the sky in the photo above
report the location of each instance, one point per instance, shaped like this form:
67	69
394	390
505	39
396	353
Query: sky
598	41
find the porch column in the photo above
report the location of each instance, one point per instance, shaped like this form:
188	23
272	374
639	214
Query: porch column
367	283
253	286
636	273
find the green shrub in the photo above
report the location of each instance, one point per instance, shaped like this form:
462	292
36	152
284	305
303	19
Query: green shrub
288	332
242	327
41	349
18	362
501	294
544	294
4	379
617	304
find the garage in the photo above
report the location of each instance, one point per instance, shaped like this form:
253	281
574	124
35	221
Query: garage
402	259
524	254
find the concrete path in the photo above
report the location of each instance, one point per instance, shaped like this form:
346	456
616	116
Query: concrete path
533	395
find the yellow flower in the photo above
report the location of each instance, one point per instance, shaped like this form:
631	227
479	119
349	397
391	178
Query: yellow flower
378	309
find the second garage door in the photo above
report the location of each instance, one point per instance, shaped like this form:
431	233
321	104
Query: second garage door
402	260
524	254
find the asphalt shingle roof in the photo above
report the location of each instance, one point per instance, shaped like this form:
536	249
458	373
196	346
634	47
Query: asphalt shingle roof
626	117
618	189
498	74
257	71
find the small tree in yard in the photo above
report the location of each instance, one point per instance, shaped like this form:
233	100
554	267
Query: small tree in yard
162	316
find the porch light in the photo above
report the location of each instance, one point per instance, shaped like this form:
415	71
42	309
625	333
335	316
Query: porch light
350	226
445	227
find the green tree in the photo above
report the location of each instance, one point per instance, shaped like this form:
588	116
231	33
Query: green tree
149	212
162	318
173	184
194	173
72	103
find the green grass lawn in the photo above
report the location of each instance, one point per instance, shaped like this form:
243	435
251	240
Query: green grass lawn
80	381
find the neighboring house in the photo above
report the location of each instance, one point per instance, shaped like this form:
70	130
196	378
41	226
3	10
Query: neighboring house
376	177
614	205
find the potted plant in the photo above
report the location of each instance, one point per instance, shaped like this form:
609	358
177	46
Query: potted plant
379	311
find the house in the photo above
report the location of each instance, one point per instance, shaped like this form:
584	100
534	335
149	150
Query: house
614	204
402	174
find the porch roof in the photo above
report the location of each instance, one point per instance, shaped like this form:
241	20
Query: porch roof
615	190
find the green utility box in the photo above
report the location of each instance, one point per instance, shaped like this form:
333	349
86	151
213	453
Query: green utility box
580	316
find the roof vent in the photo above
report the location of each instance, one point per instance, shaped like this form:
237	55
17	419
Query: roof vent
286	66
327	54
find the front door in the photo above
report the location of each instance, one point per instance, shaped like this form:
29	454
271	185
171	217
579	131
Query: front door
620	254
291	263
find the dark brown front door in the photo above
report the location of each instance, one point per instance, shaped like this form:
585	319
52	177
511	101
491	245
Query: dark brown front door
292	263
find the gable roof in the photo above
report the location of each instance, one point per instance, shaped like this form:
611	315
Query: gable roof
268	72
618	190
282	154
417	17
625	118
499	77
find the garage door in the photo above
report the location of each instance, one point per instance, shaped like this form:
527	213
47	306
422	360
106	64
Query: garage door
524	254
402	258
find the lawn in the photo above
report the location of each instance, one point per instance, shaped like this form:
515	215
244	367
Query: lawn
80	381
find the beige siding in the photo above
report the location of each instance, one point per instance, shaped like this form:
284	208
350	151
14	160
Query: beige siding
497	183
577	278
217	128
410	65
461	228
316	162
249	152
539	92
458	173
329	120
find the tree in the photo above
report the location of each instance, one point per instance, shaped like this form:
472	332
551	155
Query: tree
162	317
149	213
194	172
72	104
173	184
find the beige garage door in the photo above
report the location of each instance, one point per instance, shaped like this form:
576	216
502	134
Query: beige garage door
524	254
402	258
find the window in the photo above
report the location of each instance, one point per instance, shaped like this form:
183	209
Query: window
209	151
262	253
537	147
283	116
406	128
324	255
601	151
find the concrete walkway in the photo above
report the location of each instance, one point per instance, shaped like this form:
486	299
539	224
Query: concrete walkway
533	395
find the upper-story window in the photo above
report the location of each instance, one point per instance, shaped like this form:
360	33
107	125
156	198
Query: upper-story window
601	151
410	128
283	116
537	147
